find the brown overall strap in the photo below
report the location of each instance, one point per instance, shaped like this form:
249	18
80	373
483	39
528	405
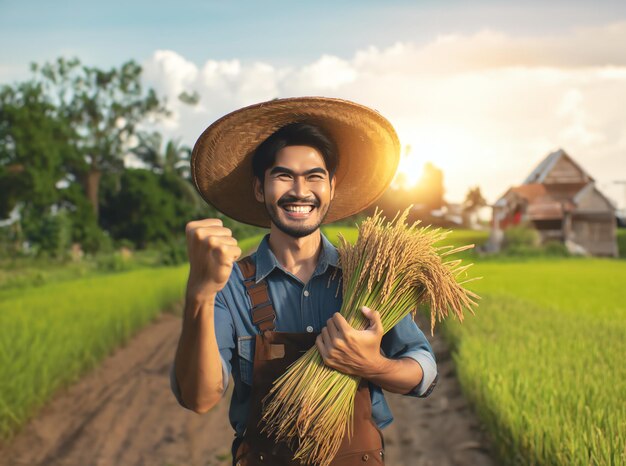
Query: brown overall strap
263	313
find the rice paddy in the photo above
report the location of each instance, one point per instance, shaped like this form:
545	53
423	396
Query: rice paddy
542	360
50	335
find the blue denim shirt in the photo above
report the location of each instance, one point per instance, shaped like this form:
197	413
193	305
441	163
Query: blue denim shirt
299	307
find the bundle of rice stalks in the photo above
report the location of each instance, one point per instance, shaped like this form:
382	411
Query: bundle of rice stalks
391	268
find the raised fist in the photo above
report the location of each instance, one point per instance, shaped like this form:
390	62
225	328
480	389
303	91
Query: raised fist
212	251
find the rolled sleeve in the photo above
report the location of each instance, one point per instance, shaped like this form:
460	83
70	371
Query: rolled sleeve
224	332
429	368
406	340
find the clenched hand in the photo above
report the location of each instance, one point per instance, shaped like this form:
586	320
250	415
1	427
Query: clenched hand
212	251
351	351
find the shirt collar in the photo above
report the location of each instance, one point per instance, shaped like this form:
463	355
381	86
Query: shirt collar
266	261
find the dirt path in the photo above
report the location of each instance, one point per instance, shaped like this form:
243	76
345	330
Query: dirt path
123	414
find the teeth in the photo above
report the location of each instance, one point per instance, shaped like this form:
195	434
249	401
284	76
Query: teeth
299	208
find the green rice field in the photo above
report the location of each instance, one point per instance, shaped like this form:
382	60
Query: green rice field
50	335
543	360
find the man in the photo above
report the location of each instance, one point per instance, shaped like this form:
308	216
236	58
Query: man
292	165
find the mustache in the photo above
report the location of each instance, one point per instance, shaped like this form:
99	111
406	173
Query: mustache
293	200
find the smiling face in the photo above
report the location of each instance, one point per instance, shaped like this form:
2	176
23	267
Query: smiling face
297	190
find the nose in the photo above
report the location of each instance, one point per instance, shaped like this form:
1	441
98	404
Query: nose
300	187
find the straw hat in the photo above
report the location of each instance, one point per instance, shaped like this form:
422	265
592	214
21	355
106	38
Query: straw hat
367	146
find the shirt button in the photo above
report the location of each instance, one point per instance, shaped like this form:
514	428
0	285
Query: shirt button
306	292
309	329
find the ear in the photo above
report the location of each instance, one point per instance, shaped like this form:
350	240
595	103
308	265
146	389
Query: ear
258	189
332	187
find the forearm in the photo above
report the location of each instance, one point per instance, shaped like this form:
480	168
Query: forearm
198	363
395	375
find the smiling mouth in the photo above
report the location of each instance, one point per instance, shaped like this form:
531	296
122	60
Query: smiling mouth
298	209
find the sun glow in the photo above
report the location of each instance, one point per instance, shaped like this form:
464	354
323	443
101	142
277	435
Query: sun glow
409	171
432	145
447	147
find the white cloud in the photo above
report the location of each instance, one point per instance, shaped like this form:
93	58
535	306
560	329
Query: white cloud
486	107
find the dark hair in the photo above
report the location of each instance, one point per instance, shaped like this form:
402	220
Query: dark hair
294	134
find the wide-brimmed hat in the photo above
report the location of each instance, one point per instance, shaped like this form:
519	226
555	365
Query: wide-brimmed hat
367	146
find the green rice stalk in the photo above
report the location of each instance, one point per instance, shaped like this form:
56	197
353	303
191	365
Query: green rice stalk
392	268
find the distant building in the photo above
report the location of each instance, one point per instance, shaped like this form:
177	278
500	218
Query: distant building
561	201
457	215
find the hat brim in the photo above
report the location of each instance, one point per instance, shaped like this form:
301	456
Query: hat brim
367	145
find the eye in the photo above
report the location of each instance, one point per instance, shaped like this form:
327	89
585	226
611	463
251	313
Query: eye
316	177
283	176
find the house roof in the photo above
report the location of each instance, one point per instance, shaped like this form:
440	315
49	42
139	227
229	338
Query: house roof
541	171
542	197
530	192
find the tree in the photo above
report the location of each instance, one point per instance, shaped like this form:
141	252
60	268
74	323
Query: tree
148	208
35	148
171	159
104	108
36	152
474	200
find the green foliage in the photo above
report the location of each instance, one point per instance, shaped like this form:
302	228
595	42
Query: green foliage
555	248
148	208
114	262
621	242
521	238
10	241
50	233
60	132
173	157
105	106
173	252
48	339
525	242
545	334
35	148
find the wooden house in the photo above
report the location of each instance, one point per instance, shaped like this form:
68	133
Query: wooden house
561	201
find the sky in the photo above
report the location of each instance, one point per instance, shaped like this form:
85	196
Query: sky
484	90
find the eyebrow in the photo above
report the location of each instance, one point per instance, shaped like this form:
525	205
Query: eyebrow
288	171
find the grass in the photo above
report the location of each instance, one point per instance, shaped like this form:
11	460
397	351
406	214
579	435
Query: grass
542	361
27	272
52	334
